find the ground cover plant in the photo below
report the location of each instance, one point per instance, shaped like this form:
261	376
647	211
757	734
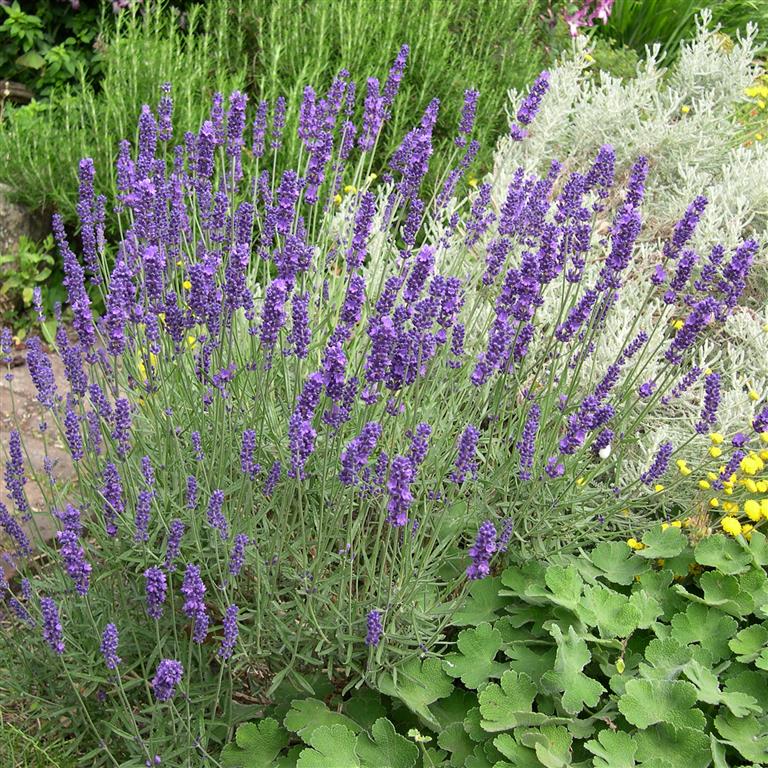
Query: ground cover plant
604	660
320	403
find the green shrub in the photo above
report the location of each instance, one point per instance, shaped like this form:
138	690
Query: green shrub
605	660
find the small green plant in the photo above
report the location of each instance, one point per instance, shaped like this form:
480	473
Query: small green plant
615	658
31	266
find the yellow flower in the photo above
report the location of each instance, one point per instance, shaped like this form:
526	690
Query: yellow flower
337	199
750	465
349	189
753	510
765	327
580	481
715	452
716	438
761	104
178	263
764	455
186	285
677	324
658	487
664	526
685	109
764	437
731	526
762	486
708	371
191	341
635	544
472	183
703	484
714	502
677	524
754	395
712	475
764	508
750	485
729	507
758	137
589	57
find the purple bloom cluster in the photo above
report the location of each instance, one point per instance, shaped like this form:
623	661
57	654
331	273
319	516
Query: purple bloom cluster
109	643
659	465
466	462
401	475
357	452
375	628
71	550
53	633
482	551
194	607
155	587
167	676
711	402
216	517
231	632
237	556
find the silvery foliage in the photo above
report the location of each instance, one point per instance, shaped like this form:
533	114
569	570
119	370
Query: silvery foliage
692	151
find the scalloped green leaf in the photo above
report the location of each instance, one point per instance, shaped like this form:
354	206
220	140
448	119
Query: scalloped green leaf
609	611
331	746
364	707
708	690
483	602
552	745
567	677
454	708
758	549
667	658
646	702
385	746
662	544
749	642
509	704
752	683
709	627
418	684
533	660
617	562
747	735
307	715
648	608
565	585
256	745
725	554
520	755
612	749
455	739
475	663
657	584
674	746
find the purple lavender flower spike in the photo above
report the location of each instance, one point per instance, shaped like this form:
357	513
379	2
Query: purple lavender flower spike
108	648
114	506
165	114
373	116
659	465
467	117
41	372
191	495
173	545
273	313
15	532
507	528
15	479
155	587
760	422
216	518
375	629
193	590
711	402
168	675
420	444
260	129
72	552
401	475
231	632
122	429
301	334
52	629
482	551
395	76
685	227
247	463
357	452
527	443
272	479
141	519
466	462
237	556
363	223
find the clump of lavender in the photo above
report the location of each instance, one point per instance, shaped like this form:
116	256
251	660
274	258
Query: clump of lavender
337	355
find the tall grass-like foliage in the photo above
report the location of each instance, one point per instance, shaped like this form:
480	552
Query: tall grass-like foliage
312	413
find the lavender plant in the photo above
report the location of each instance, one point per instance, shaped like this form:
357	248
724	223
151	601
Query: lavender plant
318	405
